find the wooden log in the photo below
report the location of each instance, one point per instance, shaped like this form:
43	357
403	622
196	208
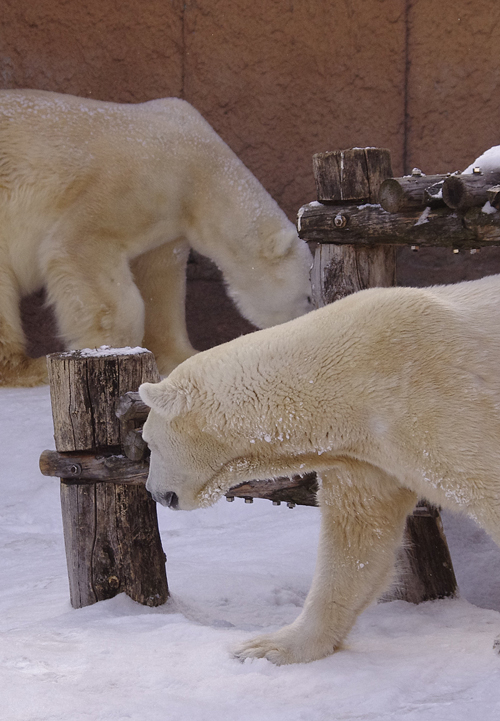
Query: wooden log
493	195
130	407
424	563
111	531
351	175
339	270
89	468
461	192
370	225
412	192
132	413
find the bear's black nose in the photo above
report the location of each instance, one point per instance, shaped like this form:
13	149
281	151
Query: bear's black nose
170	499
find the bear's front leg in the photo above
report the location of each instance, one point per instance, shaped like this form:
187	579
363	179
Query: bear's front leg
160	275
363	512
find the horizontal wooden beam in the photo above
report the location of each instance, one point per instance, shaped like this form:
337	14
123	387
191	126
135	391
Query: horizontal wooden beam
85	468
89	468
371	225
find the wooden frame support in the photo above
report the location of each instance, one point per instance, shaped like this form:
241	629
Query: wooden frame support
110	529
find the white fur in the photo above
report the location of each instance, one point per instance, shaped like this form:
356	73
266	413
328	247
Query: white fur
389	394
100	202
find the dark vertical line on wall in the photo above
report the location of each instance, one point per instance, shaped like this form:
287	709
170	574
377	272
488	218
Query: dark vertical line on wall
406	92
183	50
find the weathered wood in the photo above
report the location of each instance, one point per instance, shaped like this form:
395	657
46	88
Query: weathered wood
132	413
86	467
425	568
412	192
339	270
370	225
109	545
83	382
351	175
300	490
130	407
493	195
468	190
111	531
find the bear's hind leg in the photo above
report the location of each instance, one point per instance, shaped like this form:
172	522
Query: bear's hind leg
16	368
363	512
95	301
160	275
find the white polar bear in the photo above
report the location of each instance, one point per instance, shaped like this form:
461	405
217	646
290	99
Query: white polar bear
389	394
100	202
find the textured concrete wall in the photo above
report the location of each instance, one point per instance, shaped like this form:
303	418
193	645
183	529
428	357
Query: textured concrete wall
453	82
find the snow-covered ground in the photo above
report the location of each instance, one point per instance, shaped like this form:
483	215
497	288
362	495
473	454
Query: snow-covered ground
233	570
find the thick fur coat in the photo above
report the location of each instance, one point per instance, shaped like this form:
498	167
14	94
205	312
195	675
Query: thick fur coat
100	203
389	394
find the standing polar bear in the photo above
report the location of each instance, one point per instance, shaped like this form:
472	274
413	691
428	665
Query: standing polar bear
100	203
389	394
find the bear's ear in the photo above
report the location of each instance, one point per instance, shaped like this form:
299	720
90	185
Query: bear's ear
165	398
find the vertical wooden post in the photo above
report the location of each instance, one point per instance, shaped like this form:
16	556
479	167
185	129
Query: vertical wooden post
343	177
110	529
425	570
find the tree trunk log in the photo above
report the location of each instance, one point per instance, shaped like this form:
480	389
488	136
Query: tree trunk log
351	175
461	192
110	530
370	225
339	270
412	192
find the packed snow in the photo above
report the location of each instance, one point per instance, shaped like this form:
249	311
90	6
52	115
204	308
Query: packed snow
487	162
234	570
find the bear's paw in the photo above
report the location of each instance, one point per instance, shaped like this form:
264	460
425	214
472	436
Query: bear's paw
284	647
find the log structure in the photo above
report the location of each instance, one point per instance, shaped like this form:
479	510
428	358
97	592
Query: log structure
352	176
354	248
412	192
109	521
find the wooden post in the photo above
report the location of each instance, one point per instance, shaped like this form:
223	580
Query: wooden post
351	176
425	570
110	528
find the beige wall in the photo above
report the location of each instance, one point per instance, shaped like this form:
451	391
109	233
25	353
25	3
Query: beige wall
280	79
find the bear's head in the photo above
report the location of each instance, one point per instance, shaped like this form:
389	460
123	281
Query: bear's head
270	282
197	452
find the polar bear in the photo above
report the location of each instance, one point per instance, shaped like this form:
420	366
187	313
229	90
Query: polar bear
389	395
100	203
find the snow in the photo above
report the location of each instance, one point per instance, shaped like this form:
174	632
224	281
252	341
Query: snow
424	218
104	351
488	161
234	570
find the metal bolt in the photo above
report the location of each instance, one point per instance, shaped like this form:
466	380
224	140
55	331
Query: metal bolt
456	250
414	248
229	499
75	469
290	504
276	503
476	171
248	500
114	581
340	221
417	172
